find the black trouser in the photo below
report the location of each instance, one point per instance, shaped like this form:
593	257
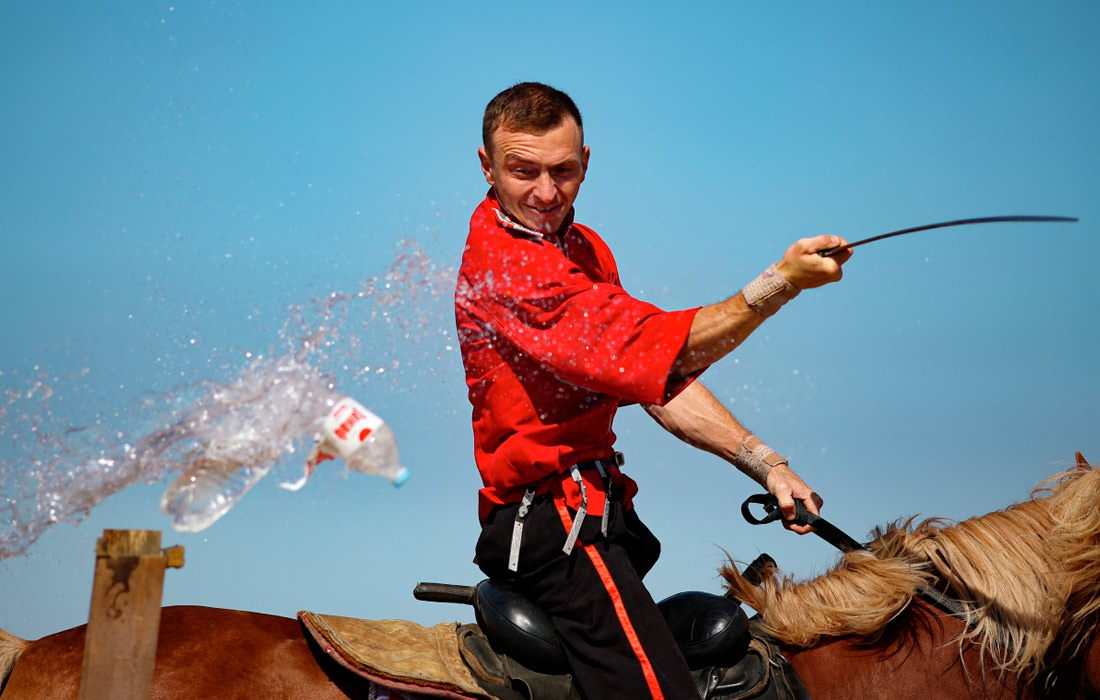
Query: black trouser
615	638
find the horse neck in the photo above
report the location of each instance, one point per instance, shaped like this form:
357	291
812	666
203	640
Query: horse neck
1092	668
916	656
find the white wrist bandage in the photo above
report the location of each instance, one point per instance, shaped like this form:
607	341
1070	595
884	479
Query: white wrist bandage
768	292
757	459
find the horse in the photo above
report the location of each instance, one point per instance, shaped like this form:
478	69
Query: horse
1027	576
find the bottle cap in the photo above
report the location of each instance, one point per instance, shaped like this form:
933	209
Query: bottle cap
401	477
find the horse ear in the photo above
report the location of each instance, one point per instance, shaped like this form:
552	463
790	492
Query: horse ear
1081	463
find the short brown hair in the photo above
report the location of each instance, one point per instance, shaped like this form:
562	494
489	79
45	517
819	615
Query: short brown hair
532	108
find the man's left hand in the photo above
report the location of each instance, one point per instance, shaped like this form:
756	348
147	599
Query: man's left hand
787	487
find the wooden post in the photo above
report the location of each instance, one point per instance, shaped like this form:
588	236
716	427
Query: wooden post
121	642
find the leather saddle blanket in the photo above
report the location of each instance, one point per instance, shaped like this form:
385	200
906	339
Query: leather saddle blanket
397	654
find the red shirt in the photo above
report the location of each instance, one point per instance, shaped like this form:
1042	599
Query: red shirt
552	346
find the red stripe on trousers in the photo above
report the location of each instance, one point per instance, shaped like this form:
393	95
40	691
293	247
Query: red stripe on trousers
620	609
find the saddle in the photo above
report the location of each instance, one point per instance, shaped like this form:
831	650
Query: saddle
709	629
514	646
512	653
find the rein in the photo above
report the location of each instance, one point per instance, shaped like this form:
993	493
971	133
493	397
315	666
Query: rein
839	539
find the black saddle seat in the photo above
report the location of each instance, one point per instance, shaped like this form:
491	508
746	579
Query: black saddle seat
710	630
516	627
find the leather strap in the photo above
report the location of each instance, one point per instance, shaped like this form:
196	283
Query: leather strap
822	527
839	539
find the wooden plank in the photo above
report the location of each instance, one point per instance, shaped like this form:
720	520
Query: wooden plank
124	619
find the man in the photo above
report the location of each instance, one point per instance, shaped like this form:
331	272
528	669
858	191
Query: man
552	346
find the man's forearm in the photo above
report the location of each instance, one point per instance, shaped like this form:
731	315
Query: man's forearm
715	332
699	419
719	328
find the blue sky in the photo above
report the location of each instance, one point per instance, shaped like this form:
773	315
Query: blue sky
184	180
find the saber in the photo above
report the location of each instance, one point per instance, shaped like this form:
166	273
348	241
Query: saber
829	252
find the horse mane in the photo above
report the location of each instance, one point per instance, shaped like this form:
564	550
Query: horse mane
1028	576
10	649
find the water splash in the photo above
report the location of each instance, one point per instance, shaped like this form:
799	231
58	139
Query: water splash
53	471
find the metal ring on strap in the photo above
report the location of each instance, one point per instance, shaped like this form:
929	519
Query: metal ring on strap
602	465
517	528
578	519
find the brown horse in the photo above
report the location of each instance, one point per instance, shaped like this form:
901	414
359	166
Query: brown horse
202	653
1029	577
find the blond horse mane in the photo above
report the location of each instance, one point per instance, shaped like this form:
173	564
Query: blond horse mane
1028	575
10	649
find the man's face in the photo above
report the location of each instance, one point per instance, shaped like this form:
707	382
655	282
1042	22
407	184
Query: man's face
537	176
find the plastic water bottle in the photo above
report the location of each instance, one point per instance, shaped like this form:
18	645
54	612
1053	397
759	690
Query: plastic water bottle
358	436
229	467
208	489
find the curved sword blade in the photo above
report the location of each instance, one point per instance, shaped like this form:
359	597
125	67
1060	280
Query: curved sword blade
828	252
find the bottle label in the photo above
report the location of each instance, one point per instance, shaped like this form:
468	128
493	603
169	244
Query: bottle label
348	426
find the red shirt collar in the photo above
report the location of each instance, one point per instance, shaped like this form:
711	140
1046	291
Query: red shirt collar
505	219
